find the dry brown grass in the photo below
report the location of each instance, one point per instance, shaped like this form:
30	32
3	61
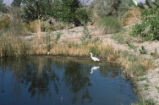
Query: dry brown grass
134	65
132	16
33	26
72	49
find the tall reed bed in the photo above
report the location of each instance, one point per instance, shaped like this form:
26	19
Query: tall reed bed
132	64
83	49
12	46
73	49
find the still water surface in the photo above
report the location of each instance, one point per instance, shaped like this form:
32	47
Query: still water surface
57	81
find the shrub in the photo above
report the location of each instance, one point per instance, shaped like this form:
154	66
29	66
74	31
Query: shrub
109	25
12	22
86	35
102	8
46	26
148	28
82	15
4	22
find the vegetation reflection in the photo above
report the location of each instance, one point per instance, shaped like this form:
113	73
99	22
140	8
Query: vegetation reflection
38	74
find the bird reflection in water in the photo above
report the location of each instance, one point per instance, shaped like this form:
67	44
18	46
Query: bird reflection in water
94	68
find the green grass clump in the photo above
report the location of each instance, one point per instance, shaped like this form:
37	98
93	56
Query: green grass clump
145	102
58	36
157	88
142	79
109	25
142	50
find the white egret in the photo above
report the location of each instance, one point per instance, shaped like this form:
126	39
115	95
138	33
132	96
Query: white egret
94	68
48	53
94	58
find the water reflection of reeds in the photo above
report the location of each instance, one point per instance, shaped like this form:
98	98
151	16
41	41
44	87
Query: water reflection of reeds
39	74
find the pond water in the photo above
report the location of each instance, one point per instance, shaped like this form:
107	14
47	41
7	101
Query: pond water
61	81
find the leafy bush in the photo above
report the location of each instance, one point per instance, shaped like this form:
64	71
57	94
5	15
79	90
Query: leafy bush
109	25
82	15
148	29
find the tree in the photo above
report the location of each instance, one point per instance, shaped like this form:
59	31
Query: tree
62	10
2	6
152	3
34	9
16	3
107	7
69	8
